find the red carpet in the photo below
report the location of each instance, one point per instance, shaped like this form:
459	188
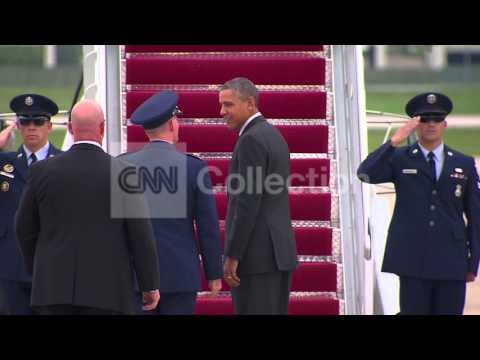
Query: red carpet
294	97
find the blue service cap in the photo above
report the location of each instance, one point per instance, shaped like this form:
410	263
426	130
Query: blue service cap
33	105
156	110
430	105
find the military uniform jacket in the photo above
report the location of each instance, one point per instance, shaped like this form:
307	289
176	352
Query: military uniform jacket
258	228
428	237
178	247
13	174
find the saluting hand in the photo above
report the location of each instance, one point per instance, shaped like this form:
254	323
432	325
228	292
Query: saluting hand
150	299
5	135
230	272
404	132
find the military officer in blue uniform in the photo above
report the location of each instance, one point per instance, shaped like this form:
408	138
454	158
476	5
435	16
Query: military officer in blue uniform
177	209
429	245
33	121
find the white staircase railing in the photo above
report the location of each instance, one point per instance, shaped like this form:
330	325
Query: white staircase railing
351	138
101	78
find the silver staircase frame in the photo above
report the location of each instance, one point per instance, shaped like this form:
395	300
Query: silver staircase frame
351	148
102	82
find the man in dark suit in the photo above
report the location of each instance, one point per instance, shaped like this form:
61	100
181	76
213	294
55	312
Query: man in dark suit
429	246
177	208
82	257
33	121
260	249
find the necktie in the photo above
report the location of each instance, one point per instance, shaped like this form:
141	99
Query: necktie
33	157
431	161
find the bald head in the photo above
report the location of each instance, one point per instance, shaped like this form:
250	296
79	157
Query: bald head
87	121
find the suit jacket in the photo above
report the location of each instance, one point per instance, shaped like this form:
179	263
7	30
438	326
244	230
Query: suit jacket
258	229
79	253
13	174
175	216
428	237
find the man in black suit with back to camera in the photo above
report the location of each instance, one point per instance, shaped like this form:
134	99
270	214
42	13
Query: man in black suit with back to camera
83	258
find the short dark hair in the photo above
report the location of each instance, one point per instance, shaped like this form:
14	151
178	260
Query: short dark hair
243	87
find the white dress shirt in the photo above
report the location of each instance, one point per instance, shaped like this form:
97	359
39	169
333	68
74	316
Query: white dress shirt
41	153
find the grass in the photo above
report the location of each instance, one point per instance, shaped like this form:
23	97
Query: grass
451	74
465	98
461	139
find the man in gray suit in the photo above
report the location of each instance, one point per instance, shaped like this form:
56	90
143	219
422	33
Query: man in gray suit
260	250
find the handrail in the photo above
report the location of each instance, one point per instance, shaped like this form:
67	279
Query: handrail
404	118
349	109
383	113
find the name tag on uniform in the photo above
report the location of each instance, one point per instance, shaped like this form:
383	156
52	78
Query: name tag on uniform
11	176
410	171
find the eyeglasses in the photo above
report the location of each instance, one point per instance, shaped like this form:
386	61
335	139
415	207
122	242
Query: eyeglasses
37	121
428	119
434	118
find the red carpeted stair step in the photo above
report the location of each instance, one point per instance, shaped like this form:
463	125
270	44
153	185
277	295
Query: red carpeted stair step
300	138
311	240
305	171
298	305
219	305
313	305
315	276
275	104
303	205
219	48
309	276
310	205
288	69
